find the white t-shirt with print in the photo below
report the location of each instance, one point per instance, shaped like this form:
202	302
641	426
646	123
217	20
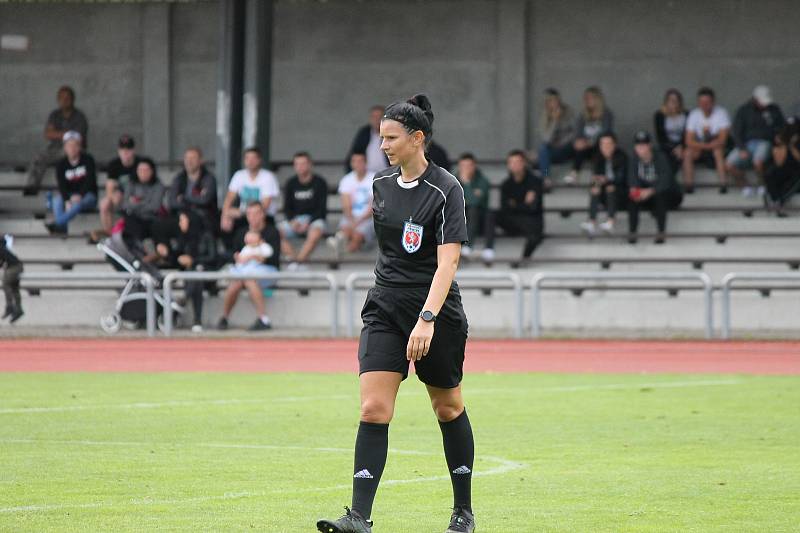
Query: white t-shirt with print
706	128
360	191
265	185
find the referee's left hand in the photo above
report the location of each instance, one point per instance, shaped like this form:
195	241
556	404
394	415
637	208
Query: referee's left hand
420	340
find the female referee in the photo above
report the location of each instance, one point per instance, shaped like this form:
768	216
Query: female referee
413	313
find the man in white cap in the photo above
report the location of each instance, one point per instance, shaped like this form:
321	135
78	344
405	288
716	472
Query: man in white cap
77	184
756	123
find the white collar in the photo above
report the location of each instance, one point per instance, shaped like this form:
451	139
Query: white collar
407	184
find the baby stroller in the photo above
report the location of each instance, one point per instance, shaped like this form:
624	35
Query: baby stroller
130	309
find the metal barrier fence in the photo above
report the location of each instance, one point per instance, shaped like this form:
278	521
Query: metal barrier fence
329	279
729	279
538	279
514	278
146	279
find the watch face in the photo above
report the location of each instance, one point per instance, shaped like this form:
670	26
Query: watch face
427	316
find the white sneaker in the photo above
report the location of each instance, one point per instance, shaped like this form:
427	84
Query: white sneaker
588	227
197	328
337	243
748	192
466	251
761	191
607	226
293	266
487	254
571	178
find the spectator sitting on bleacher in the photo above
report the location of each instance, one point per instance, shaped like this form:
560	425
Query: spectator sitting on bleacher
652	186
194	190
250	184
438	155
305	206
355	189
476	198
609	184
521	210
707	129
121	172
77	184
670	127
258	223
12	270
368	142
66	118
195	250
142	205
782	176
593	120
754	127
556	132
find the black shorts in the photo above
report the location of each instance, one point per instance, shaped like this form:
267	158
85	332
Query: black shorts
389	315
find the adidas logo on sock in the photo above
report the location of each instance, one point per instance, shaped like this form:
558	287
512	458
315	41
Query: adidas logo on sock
364	474
462	470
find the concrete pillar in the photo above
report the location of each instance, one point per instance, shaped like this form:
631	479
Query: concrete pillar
257	75
230	83
512	102
157	82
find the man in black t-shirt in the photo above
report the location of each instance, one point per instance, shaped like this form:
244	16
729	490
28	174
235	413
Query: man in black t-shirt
66	118
305	206
521	210
77	184
256	221
121	172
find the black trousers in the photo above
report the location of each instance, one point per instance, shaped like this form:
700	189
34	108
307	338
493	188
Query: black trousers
516	224
11	287
658	205
781	185
611	200
582	156
137	229
476	222
194	292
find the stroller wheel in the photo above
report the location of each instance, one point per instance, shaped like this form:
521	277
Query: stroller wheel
110	323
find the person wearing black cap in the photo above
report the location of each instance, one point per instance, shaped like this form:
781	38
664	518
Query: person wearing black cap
413	313
652	186
121	172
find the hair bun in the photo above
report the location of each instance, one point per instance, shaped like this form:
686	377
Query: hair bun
421	101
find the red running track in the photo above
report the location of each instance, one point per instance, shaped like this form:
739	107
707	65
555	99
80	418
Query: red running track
336	355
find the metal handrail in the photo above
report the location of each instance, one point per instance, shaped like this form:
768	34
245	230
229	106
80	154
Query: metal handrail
330	279
514	278
702	277
146	279
728	281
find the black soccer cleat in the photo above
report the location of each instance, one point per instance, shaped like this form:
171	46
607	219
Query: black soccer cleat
462	521
351	522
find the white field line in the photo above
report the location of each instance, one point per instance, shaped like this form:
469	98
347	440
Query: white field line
293	399
503	466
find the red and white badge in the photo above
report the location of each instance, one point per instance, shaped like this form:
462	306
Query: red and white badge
412	237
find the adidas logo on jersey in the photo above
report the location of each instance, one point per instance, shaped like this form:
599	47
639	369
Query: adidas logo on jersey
363	474
462	470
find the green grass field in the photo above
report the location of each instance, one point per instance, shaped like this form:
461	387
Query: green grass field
272	452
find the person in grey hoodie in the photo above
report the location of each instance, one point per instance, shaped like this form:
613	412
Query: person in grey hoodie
143	203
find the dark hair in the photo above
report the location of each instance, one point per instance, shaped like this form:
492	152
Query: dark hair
67	89
550	91
414	114
706	91
517	152
301	154
466	155
150	163
254	203
195	149
255	149
607	133
377	107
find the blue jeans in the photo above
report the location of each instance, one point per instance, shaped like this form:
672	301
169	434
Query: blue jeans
549	154
62	217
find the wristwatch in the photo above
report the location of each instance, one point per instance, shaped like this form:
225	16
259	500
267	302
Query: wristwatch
427	316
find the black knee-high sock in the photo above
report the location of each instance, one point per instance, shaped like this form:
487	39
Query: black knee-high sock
459	450
372	445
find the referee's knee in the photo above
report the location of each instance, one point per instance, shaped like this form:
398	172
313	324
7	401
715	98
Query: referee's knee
447	411
376	411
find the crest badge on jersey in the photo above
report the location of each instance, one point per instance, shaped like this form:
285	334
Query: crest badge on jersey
412	237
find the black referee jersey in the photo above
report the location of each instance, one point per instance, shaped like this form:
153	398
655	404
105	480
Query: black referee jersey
411	220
